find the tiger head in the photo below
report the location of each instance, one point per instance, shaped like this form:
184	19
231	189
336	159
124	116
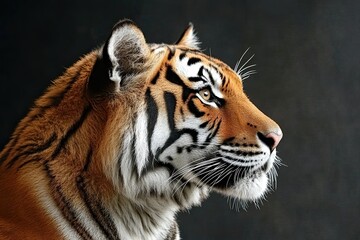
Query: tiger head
191	129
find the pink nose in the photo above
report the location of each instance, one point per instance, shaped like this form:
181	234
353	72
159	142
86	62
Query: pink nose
271	139
276	137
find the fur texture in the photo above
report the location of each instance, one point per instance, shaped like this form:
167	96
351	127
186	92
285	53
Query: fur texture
128	136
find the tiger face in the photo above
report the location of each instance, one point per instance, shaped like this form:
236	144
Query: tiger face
197	127
208	129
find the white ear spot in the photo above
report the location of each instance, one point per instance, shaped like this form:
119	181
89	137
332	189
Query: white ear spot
189	38
116	37
127	50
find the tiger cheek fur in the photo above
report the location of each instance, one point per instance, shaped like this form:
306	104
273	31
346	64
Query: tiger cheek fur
128	136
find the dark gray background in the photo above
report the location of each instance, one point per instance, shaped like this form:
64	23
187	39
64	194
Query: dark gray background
307	56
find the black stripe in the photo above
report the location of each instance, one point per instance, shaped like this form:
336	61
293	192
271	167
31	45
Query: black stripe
71	132
171	53
170	101
154	80
219	101
182	113
152	116
174	78
88	160
212	134
133	159
186	93
211	77
64	205
192	132
55	101
200	72
33	160
38	149
204	124
194	110
97	211
225	84
16	138
242	153
213	124
175	135
193	60
228	141
5	155
182	55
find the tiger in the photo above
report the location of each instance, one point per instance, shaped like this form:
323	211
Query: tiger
130	135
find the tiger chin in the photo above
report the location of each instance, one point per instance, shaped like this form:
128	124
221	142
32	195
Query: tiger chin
128	136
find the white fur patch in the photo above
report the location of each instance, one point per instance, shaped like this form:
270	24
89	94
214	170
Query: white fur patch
248	188
115	39
161	132
141	144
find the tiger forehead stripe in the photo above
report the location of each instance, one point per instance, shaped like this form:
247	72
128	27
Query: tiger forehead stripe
200	72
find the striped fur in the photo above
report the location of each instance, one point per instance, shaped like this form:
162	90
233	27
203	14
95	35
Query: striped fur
128	136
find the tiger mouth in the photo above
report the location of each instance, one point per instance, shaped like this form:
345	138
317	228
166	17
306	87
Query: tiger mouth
228	174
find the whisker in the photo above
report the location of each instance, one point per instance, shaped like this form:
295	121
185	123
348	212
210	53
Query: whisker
238	62
185	172
227	171
242	70
183	185
206	179
248	74
206	165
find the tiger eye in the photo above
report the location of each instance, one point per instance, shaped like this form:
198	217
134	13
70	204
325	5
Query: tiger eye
205	94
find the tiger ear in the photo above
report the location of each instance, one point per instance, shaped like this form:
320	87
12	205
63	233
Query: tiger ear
123	55
189	38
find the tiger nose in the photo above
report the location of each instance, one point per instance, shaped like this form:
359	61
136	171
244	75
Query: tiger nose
271	139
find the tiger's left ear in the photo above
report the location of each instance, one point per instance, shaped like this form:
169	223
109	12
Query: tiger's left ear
123	56
189	38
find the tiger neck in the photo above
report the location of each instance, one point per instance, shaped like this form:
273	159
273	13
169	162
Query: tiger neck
94	185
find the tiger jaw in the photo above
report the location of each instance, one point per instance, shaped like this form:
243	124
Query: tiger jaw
231	178
250	187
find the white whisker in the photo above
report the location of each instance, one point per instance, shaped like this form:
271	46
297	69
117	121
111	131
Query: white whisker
240	70
238	62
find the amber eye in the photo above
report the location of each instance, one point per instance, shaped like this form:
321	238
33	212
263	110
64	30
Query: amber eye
205	94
